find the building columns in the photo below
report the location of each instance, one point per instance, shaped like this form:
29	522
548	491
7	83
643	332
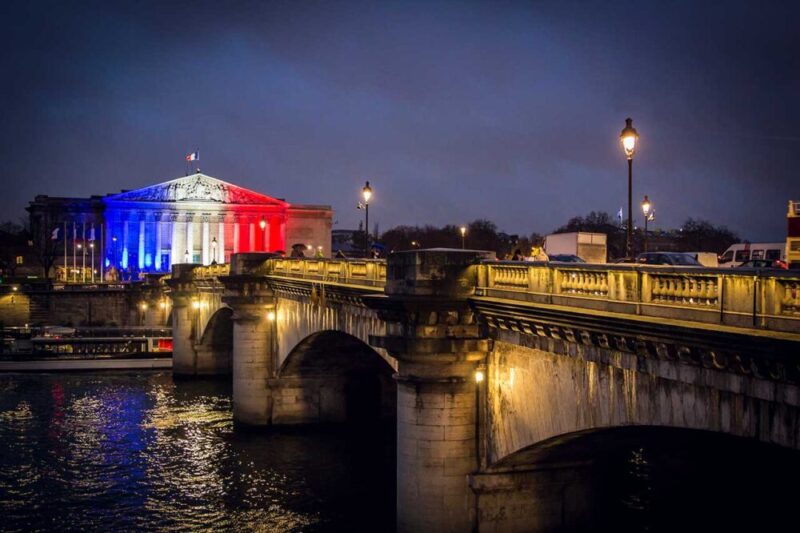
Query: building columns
176	254
140	257
189	242
251	245
276	236
157	254
220	241
125	235
206	244
236	225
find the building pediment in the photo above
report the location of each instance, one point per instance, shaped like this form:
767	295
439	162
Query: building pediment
196	188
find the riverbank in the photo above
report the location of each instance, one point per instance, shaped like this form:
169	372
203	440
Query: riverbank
85	364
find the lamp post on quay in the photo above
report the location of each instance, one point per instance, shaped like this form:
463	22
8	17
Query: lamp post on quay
83	262
646	210
629	136
91	246
463	230
366	193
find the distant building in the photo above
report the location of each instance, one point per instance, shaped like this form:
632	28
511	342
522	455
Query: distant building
17	257
192	219
793	234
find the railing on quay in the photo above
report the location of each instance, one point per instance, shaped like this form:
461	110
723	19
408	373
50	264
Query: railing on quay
365	272
761	299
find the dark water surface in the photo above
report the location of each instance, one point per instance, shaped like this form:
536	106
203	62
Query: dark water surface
136	451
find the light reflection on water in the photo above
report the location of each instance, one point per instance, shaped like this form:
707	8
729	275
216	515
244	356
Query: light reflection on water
124	451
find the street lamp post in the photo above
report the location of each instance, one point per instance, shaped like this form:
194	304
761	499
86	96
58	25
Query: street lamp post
213	250
263	225
629	136
646	210
91	245
366	192
83	263
463	230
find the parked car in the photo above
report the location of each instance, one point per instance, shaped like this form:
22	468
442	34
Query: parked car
707	259
565	258
736	254
667	258
763	263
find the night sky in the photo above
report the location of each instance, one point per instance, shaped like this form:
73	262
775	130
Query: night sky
454	111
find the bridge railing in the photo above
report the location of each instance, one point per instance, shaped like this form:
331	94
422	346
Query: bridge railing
366	272
210	271
769	300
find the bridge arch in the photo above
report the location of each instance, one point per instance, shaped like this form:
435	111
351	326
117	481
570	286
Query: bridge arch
638	478
299	319
332	376
214	346
539	388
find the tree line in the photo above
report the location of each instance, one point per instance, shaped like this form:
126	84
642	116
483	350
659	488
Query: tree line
695	235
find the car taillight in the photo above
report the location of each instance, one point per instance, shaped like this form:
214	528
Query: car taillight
164	345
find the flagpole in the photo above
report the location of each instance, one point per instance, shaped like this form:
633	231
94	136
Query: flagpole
102	251
74	262
92	232
83	251
66	263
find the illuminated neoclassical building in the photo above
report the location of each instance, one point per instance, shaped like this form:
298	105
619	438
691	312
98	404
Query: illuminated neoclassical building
192	219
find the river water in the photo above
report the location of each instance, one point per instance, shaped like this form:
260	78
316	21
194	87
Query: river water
137	451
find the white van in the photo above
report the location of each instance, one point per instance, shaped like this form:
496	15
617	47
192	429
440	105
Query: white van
737	254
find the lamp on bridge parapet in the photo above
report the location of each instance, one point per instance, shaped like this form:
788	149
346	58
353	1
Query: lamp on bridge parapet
366	193
629	138
646	210
463	230
143	309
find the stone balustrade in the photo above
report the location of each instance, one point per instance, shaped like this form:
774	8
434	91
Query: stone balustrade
370	272
200	272
769	300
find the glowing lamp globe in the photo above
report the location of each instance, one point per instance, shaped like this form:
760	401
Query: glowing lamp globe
629	137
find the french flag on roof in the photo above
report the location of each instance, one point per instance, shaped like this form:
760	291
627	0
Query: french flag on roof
194	156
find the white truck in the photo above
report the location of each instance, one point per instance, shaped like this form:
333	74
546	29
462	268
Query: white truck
591	247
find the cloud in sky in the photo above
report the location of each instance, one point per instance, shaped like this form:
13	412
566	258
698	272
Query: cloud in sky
453	110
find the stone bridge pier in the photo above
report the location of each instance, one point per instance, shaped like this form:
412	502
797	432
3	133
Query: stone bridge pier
254	344
201	325
435	337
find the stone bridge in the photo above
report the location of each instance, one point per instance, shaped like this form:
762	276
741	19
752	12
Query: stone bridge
499	374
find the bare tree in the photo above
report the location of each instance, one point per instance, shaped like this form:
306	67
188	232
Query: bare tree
43	226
